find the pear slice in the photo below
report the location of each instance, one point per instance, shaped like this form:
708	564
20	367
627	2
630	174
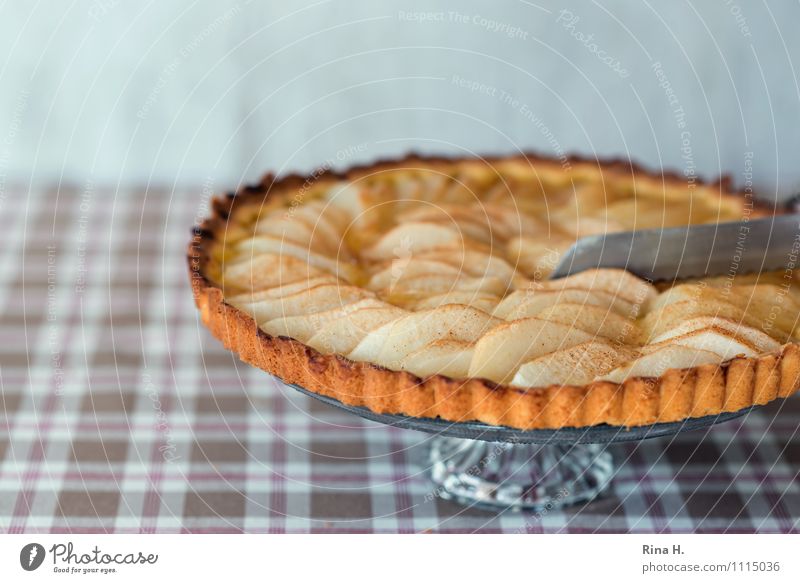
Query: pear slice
338	218
390	343
321	222
759	340
687	292
503	349
404	269
757	300
471	230
639	213
413	238
535	256
304	326
301	232
365	207
483	302
274	245
527	303
594	320
266	271
407	188
660	360
464	219
660	321
473	262
617	282
446	357
341	336
767	293
351	197
279	226
713	339
770	304
508	222
316	299
577	365
434	283
420	211
280	291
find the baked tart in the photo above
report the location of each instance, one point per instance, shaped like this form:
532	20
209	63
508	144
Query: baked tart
419	287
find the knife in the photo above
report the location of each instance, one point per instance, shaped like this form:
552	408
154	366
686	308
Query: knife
748	246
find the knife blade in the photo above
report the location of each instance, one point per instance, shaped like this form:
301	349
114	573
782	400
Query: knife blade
748	246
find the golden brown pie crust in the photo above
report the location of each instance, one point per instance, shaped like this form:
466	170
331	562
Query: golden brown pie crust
678	394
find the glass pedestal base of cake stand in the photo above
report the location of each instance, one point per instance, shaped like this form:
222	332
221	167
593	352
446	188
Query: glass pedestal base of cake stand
531	477
502	468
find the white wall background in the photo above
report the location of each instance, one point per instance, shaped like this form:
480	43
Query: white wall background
218	92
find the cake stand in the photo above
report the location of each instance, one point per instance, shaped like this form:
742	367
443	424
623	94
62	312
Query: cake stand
501	468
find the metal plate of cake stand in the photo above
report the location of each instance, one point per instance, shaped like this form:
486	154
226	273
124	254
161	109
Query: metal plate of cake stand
502	468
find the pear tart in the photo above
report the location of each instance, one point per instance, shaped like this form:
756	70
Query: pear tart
420	287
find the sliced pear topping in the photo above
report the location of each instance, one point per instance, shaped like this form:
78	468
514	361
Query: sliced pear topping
756	338
407	268
421	211
316	299
295	231
322	223
466	220
503	349
484	302
714	339
390	343
758	300
445	357
594	320
304	326
668	317
268	270
473	262
762	303
687	292
412	238
335	215
274	245
469	252
300	230
660	360
510	222
433	283
341	336
577	365
616	282
352	198
537	256
527	303
283	290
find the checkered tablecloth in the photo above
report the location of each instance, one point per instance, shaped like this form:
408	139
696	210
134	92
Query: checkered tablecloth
120	413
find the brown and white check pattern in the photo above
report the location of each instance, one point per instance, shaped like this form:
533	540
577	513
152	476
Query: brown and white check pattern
120	413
